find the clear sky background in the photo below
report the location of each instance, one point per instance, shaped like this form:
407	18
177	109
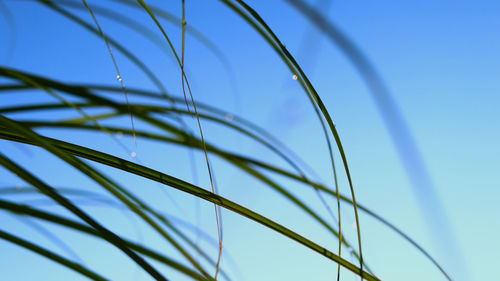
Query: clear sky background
439	59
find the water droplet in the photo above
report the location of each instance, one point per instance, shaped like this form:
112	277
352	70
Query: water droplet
229	117
133	154
119	78
294	77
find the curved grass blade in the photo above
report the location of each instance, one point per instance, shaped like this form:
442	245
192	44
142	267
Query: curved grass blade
322	188
98	200
399	131
314	98
50	255
173	182
259	164
238	158
266	166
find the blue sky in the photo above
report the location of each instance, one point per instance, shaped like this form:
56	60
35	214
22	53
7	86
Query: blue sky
440	61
